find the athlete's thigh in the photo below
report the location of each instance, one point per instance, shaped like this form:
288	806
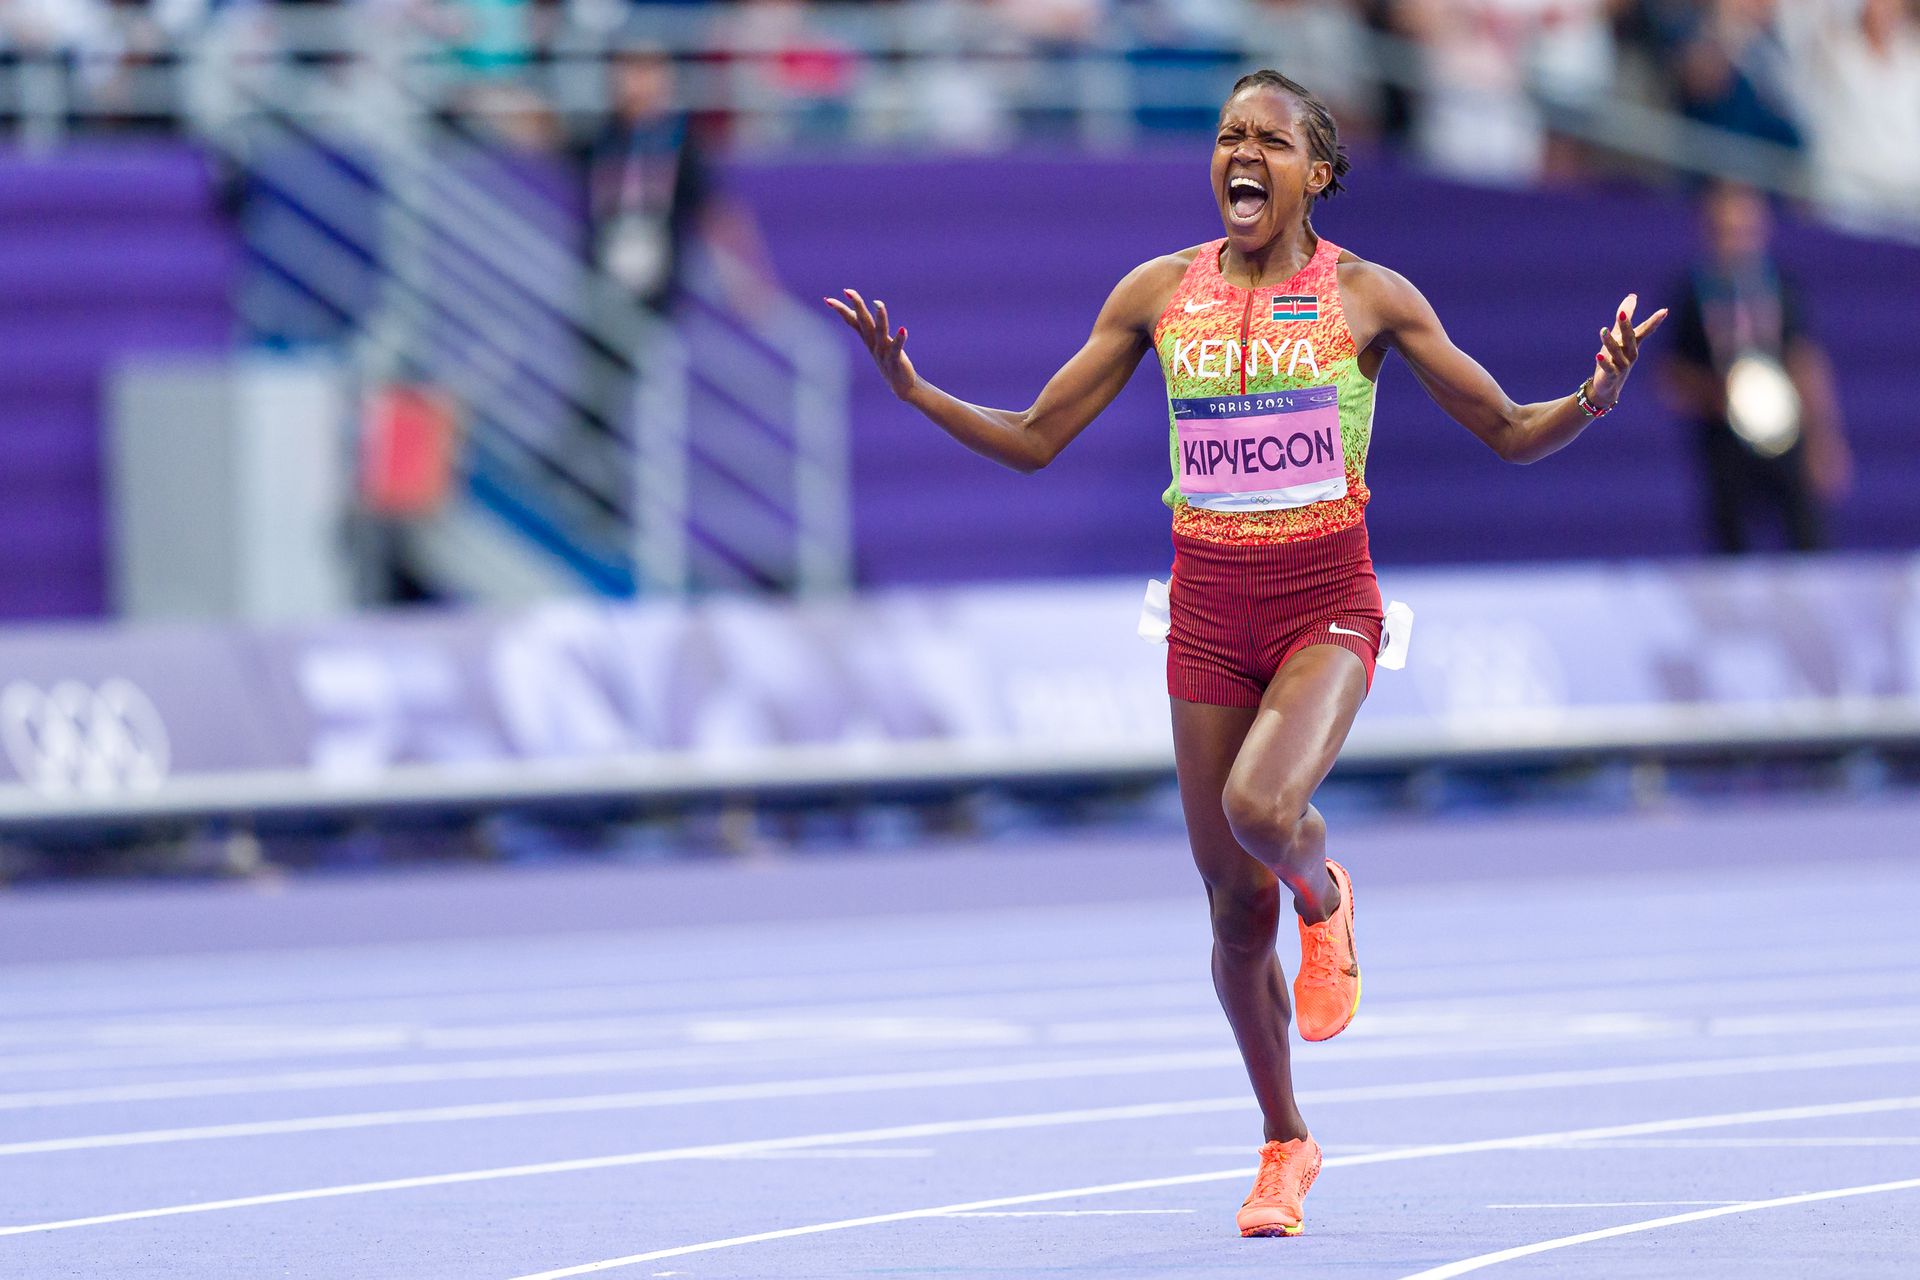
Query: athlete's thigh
1206	739
1301	724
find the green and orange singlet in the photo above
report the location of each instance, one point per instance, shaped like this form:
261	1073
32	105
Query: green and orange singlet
1269	413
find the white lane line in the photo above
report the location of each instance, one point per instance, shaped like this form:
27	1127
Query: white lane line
1609	1204
795	1028
1240	1148
989	1124
1360	1044
482	980
1778	1115
631	1059
1047	1119
519	1068
662	995
181	1042
1062	1213
823	1086
960	1077
892	1017
873	984
835	1153
186	1044
1688	1144
1465	1265
905	1215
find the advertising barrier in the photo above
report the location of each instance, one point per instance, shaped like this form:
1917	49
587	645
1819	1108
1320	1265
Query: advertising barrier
950	685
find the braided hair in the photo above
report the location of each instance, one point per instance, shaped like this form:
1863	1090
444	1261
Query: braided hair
1323	134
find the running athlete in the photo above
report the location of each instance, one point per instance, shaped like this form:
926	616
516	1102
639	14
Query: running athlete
1270	340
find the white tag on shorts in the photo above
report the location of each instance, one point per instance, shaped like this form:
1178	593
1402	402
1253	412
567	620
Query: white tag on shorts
1396	635
1155	619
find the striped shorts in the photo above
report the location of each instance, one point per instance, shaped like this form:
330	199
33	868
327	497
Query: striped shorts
1239	612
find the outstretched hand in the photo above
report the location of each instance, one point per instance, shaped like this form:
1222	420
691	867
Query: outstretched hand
1619	348
887	348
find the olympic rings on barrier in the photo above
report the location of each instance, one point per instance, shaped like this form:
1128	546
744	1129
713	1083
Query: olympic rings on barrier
74	738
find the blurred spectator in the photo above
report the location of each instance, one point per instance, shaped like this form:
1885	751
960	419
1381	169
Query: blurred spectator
1056	35
1861	66
1656	26
1322	44
1178	59
952	90
1734	72
512	113
1574	67
645	182
1381	18
1755	383
69	48
789	79
646	189
1484	58
496	36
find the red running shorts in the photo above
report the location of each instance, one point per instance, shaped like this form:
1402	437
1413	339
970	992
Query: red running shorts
1239	612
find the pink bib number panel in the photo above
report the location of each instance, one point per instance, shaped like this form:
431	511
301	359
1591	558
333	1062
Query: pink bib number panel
1260	452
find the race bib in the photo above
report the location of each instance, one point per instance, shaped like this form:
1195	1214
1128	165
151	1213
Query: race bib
1260	452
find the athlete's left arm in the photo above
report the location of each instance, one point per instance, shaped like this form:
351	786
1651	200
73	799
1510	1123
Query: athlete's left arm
1388	312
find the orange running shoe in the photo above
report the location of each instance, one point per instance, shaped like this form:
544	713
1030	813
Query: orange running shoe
1326	991
1287	1169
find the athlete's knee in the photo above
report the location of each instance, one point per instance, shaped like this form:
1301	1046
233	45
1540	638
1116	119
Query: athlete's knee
1267	824
1246	918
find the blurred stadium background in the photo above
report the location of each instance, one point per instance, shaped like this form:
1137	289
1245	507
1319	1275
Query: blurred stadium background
419	436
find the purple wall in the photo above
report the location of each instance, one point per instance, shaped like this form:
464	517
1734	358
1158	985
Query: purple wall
998	266
105	250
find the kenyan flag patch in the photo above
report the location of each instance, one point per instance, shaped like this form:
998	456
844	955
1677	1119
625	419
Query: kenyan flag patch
1296	306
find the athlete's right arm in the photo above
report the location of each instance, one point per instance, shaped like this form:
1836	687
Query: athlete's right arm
1030	439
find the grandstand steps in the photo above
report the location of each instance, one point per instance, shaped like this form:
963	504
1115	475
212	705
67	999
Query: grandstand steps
106	249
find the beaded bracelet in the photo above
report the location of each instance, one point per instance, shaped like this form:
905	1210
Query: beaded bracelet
1587	406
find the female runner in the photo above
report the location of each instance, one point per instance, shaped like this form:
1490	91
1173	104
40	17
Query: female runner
1271	340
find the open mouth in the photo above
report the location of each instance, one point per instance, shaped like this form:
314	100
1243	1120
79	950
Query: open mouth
1246	197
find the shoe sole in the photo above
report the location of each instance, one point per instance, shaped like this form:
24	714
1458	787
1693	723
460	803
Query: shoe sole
1347	1022
1276	1230
1352	898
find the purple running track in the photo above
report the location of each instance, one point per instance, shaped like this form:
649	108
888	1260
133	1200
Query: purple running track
1632	1045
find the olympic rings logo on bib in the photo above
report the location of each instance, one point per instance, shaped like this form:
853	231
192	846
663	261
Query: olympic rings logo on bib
1260	452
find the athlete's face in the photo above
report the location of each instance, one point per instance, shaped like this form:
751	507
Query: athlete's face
1263	172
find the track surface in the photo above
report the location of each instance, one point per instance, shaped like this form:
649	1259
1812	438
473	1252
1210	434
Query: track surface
997	1061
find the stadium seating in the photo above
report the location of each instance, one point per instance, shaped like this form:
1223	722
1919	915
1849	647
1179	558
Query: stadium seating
104	250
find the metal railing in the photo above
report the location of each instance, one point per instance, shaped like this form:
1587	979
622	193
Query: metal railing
352	243
427	256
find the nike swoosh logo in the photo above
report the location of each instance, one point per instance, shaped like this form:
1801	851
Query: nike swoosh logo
1337	629
1191	307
